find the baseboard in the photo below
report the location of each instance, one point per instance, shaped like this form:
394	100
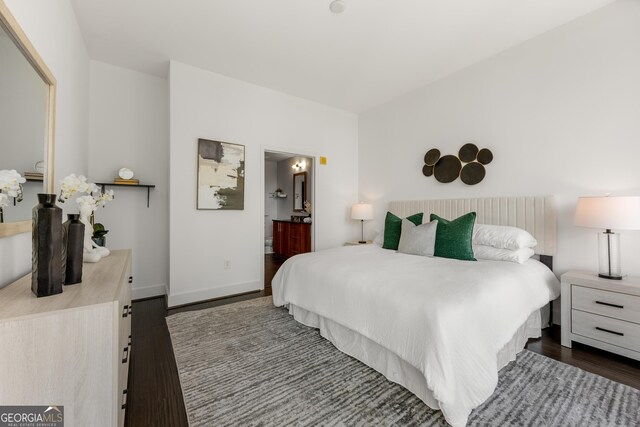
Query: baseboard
148	291
174	300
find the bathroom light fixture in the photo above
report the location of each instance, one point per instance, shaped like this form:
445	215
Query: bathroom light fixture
337	6
299	165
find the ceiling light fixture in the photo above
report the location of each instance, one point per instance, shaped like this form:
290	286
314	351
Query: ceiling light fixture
337	6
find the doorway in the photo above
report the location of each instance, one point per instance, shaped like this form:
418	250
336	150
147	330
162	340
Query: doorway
289	198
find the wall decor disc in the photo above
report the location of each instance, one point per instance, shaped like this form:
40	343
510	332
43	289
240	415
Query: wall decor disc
468	152
427	170
432	157
472	173
447	169
485	156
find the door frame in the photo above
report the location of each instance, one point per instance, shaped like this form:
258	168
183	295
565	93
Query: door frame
293	152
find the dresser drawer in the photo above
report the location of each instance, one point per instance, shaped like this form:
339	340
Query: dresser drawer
601	328
610	304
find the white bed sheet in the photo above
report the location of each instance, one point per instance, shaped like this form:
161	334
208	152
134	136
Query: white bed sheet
448	319
391	365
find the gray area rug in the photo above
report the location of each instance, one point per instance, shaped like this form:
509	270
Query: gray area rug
251	364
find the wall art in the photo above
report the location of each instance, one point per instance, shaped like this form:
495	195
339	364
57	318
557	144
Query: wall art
220	175
469	165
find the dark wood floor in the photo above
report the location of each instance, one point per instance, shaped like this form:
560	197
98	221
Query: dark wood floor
155	396
272	263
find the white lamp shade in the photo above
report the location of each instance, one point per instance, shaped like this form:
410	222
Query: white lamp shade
609	213
361	211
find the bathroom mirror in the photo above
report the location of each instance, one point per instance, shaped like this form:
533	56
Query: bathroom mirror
27	112
299	191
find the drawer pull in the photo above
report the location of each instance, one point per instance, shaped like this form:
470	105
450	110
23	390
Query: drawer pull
124	399
125	311
608	304
130	279
130	308
125	354
609	331
129	344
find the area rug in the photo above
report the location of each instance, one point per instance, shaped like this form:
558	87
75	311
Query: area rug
251	364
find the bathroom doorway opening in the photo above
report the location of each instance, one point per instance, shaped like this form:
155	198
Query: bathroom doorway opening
289	202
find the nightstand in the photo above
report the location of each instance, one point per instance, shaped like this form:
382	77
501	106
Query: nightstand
601	313
356	243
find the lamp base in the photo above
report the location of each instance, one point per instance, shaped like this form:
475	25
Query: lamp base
609	256
606	276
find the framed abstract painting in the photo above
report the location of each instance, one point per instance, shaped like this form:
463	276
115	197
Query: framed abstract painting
220	175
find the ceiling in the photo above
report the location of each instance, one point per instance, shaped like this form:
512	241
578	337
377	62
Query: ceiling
374	51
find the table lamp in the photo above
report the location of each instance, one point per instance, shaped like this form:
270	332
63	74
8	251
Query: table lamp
362	211
608	213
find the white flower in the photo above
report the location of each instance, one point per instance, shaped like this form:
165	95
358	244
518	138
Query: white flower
95	200
87	200
11	184
72	184
101	199
88	192
4	200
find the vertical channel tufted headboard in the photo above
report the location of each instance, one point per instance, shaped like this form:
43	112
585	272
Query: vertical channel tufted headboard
537	214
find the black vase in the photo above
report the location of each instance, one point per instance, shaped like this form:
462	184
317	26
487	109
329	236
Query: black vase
73	231
47	269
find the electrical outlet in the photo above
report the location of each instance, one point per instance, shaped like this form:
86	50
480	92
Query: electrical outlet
227	264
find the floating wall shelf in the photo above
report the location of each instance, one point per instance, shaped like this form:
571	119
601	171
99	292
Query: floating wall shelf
114	184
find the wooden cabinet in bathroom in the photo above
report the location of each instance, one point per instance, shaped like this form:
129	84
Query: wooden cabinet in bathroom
291	238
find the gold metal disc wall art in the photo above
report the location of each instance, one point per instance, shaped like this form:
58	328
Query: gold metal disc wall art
468	165
472	173
485	156
468	153
432	157
447	169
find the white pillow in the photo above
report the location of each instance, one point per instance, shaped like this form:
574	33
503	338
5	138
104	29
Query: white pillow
496	254
502	237
418	239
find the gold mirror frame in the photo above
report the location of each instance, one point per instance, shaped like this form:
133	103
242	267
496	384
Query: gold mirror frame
19	38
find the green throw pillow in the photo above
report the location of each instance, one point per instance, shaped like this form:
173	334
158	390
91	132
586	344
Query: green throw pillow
453	238
393	228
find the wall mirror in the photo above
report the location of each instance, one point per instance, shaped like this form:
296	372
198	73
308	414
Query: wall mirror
299	191
27	113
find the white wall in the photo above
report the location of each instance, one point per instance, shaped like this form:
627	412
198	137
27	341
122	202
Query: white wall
129	127
270	203
561	114
52	28
207	105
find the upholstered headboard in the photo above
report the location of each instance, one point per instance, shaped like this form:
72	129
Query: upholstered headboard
537	215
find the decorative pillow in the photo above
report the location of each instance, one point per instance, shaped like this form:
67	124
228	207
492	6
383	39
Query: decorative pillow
418	239
497	254
393	228
453	238
503	237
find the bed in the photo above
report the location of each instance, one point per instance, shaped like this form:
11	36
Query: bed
441	328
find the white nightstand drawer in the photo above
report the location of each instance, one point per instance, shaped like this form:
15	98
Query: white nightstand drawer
611	304
601	328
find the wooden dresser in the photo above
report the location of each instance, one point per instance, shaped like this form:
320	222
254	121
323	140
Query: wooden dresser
70	349
291	238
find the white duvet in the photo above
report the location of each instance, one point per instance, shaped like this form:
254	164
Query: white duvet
447	318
